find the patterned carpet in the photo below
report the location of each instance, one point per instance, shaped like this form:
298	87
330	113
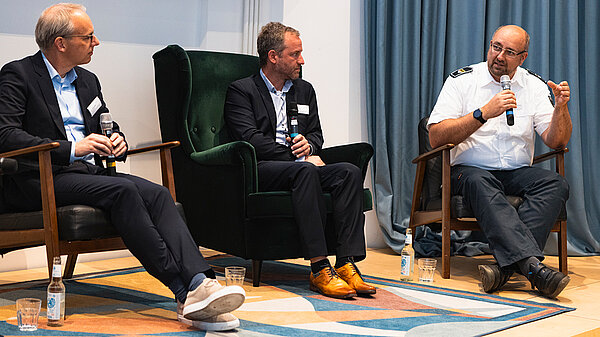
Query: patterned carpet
131	302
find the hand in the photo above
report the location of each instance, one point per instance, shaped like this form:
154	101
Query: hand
300	146
118	144
94	143
561	92
316	160
502	101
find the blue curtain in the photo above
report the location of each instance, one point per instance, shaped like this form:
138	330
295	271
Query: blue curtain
413	45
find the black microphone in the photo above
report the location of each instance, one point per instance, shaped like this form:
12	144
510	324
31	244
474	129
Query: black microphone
505	83
106	124
292	112
8	165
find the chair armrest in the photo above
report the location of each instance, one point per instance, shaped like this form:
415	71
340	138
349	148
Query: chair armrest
433	153
168	145
358	154
31	149
549	155
229	154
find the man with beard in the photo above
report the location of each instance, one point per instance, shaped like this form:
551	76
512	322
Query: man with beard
493	159
255	111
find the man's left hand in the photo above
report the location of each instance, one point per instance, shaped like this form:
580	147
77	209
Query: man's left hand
561	92
300	146
118	143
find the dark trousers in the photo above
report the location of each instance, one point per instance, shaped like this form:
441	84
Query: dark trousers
513	234
143	212
307	183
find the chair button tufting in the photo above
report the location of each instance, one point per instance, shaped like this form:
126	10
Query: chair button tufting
213	129
195	130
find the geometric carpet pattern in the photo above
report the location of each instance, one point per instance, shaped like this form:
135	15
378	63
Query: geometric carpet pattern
131	302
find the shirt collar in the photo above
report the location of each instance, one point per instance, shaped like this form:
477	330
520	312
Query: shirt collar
286	86
486	78
55	76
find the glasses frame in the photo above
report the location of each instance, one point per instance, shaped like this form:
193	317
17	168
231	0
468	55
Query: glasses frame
507	51
89	37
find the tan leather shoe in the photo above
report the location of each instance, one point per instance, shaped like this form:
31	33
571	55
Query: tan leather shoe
328	283
351	275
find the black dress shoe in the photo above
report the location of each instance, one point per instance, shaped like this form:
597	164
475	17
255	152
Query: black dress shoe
547	281
493	277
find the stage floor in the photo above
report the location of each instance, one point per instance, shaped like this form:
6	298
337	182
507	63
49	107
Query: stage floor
582	293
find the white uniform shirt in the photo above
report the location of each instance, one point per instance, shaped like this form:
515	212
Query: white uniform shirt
495	145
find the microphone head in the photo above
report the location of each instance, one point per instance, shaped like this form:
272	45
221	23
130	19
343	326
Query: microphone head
505	82
106	121
8	165
292	108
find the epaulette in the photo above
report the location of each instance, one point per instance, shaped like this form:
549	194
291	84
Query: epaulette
461	71
536	75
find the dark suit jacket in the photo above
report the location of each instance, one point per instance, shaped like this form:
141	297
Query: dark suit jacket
30	114
250	116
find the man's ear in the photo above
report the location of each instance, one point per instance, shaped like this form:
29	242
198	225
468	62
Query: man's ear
523	58
272	56
59	43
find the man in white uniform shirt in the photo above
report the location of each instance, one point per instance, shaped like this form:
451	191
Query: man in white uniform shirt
492	159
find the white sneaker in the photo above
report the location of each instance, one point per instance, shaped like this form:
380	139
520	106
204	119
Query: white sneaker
211	299
220	322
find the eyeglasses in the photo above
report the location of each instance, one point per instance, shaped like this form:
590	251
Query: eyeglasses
89	37
508	52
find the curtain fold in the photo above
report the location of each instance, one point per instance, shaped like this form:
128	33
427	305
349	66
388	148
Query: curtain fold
413	45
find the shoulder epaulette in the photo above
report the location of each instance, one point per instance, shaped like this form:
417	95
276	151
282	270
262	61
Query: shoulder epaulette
461	71
536	75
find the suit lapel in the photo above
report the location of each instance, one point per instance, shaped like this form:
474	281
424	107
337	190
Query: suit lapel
267	100
83	95
47	89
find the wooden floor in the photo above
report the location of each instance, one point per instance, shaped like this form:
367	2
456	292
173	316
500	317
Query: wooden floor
582	293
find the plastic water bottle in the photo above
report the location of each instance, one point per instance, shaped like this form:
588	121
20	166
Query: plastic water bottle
55	310
407	267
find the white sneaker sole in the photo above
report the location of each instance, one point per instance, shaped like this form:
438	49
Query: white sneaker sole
225	300
208	326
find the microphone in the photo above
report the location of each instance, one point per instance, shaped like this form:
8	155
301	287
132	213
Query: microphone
8	165
292	112
106	124
505	83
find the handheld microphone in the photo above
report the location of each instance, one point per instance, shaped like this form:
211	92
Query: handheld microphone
505	83
106	124
292	113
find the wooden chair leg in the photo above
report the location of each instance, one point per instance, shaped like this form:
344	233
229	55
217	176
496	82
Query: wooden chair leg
70	266
256	269
445	251
562	248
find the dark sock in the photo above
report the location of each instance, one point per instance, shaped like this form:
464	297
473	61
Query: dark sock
316	267
525	264
341	261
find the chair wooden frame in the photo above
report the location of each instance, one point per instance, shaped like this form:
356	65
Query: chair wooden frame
49	234
420	217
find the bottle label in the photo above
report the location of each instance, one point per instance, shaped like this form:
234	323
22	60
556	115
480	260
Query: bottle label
56	271
53	309
408	240
405	265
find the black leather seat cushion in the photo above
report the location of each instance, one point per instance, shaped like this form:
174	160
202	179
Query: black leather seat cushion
75	222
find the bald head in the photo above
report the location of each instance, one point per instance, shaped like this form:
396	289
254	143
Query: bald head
514	33
507	51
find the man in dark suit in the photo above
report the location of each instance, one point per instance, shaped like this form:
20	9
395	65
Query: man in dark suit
46	98
256	112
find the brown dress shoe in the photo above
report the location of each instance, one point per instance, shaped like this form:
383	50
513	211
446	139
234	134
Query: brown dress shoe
328	283
351	275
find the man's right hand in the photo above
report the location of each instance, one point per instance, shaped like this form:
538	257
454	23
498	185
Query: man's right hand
94	143
502	101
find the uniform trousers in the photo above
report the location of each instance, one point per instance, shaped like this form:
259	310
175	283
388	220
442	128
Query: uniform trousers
307	183
513	234
143	213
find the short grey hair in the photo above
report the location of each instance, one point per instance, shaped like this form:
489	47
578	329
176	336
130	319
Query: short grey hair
271	37
55	21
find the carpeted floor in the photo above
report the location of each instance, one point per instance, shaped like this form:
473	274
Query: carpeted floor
131	302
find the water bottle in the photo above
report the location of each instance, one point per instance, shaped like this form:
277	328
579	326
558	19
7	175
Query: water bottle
407	267
55	310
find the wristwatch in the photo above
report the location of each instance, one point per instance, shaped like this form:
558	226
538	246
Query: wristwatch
477	115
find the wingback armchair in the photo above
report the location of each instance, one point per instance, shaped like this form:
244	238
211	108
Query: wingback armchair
215	177
433	203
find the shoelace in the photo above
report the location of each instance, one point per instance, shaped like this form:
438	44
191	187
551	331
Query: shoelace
331	273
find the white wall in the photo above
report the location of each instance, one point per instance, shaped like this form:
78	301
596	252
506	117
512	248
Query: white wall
131	31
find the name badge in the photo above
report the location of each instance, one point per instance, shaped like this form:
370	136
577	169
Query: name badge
303	109
94	106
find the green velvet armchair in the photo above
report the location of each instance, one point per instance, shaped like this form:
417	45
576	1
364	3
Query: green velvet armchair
215	177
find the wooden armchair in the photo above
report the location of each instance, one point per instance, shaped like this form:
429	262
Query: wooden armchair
68	230
432	202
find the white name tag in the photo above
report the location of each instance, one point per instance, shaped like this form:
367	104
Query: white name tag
94	106
303	109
